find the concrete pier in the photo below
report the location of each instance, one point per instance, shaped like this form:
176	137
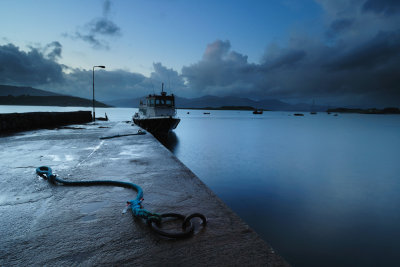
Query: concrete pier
54	225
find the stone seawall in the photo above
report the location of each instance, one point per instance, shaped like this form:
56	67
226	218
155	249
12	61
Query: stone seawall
15	122
44	224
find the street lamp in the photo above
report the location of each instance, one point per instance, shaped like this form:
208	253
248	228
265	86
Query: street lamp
103	67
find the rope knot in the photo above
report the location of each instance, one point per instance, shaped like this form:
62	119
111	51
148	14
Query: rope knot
138	211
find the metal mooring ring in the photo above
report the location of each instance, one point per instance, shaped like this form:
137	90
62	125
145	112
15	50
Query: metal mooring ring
191	216
186	231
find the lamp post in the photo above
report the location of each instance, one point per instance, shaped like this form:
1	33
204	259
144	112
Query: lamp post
103	67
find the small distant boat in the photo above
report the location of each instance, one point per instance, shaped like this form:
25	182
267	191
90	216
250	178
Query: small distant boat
207	113
298	114
258	111
188	112
313	109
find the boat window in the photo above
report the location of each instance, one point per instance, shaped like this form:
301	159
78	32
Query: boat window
152	102
157	102
169	102
162	102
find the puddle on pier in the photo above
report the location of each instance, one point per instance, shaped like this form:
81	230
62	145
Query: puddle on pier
94	206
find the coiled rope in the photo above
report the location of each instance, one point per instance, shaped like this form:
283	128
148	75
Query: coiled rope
154	220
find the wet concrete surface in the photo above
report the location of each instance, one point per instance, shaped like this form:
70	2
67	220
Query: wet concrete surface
55	225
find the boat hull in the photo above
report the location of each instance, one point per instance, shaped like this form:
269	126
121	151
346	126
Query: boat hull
157	125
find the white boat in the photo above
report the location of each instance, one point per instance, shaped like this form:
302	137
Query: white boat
157	114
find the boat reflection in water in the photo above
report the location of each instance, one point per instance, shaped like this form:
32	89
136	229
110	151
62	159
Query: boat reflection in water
170	141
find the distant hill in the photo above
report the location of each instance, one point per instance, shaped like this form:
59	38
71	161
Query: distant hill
28	96
218	102
59	100
6	90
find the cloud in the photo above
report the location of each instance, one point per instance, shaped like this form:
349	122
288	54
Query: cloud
118	84
109	85
339	26
173	81
344	73
53	50
354	61
285	59
381	50
104	26
386	7
30	68
98	29
106	8
38	67
356	64
220	72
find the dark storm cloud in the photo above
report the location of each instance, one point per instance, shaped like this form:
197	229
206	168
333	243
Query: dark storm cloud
353	62
38	68
220	72
109	85
29	68
287	59
387	7
351	73
225	72
338	26
383	49
96	30
118	84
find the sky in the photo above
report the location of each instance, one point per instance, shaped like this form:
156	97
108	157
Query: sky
337	53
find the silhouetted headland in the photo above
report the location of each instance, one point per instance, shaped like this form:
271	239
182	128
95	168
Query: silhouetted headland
389	110
63	101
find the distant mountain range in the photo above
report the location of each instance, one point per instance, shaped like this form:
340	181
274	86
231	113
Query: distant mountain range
16	95
12	95
217	102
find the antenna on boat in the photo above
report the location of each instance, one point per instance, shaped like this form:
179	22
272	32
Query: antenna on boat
152	85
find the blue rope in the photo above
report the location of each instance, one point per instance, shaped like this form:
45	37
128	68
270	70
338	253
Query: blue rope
134	204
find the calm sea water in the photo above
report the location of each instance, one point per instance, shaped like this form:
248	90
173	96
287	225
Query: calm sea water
322	190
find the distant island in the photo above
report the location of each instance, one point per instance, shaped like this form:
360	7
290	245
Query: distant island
226	108
28	96
388	110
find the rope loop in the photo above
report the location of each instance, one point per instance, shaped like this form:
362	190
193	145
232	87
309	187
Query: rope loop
154	220
46	173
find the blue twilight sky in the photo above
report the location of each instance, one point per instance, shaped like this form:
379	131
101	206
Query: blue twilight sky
336	52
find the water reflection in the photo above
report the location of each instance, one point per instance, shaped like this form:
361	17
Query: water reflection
169	140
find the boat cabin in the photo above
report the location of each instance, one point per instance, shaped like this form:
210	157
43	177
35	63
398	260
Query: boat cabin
158	105
162	100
